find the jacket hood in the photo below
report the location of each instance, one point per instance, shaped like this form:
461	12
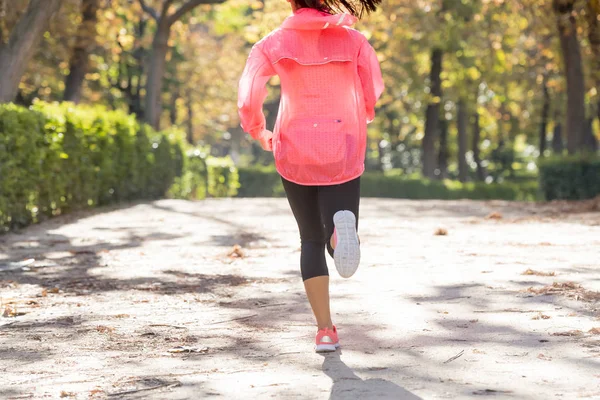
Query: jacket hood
311	19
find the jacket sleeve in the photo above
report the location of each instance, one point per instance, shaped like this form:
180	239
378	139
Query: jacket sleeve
252	92
370	77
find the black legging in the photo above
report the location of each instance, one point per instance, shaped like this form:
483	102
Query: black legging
313	208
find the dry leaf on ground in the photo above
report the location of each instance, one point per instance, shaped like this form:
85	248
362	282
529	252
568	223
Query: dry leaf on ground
541	316
594	331
236	252
441	232
530	271
569	289
495	215
9	311
104	329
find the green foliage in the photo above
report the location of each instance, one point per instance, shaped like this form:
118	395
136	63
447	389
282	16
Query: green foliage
191	185
223	178
260	181
59	157
390	186
570	178
265	182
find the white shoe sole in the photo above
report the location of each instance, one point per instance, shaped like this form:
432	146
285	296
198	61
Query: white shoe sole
326	348
347	250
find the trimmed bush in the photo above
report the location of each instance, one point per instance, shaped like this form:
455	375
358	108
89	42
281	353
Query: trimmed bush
260	181
223	178
570	178
380	185
265	182
191	185
60	157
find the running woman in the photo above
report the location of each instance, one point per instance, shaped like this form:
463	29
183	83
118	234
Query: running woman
330	83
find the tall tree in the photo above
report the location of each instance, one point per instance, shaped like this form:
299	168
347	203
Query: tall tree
545	117
461	123
443	150
160	47
432	117
84	42
21	45
475	147
593	14
571	52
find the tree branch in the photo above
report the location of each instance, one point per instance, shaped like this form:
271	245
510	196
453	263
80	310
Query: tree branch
151	11
189	6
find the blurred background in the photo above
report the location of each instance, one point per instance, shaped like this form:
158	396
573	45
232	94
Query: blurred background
478	93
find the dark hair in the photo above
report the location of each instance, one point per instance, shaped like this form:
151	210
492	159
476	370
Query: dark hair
358	8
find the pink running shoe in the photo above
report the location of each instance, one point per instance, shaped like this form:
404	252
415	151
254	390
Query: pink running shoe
327	340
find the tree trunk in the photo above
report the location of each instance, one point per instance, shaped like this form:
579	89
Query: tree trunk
443	151
476	150
589	141
154	84
545	116
173	106
461	123
593	13
432	117
85	40
571	51
190	118
557	141
23	41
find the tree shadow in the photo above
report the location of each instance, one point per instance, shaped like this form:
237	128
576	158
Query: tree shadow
347	385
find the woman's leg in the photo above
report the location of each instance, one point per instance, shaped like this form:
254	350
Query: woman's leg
304	202
337	198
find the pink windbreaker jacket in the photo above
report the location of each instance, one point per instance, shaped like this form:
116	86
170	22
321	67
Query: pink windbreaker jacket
330	82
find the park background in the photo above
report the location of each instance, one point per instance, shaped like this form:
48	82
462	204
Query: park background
115	100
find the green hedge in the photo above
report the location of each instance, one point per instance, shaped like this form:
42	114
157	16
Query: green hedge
59	157
223	178
379	185
205	176
191	185
570	178
260	181
265	182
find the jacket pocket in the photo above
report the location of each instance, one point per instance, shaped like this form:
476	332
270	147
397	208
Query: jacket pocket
314	141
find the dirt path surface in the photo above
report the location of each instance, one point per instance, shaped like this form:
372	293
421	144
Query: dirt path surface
150	301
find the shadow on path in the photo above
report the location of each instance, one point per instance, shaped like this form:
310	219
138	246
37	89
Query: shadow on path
347	385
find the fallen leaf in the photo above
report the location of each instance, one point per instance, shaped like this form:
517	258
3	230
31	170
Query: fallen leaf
104	329
441	232
530	271
122	316
66	394
54	290
594	331
541	316
236	252
9	311
495	215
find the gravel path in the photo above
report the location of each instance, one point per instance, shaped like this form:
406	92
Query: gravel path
154	301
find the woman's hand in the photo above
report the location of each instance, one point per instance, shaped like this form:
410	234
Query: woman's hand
266	140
